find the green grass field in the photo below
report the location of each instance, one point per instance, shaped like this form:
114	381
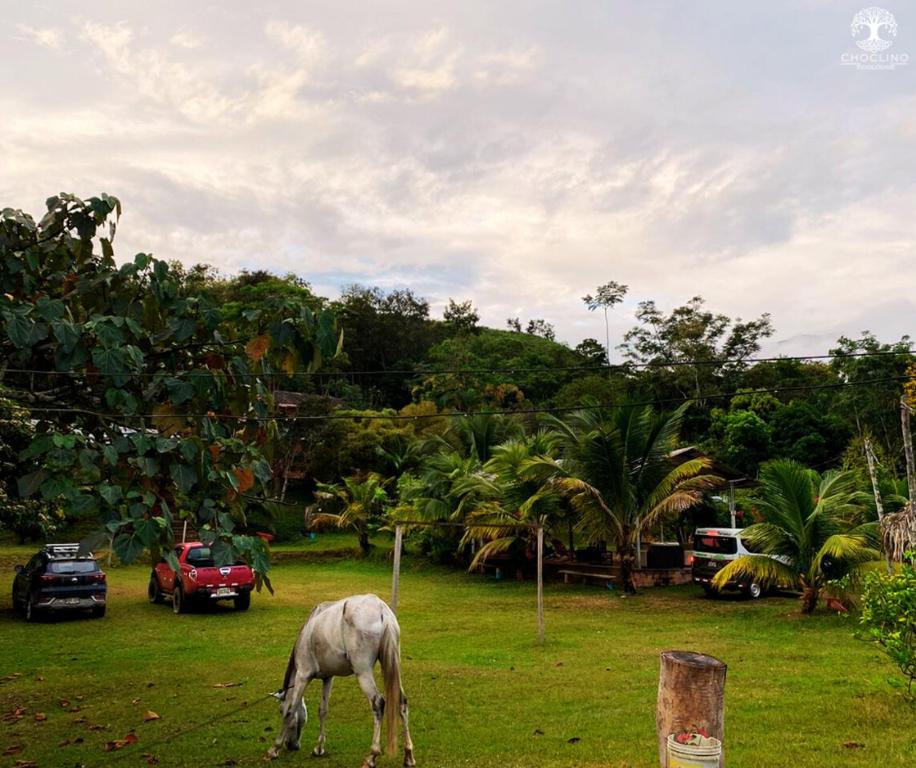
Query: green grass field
800	691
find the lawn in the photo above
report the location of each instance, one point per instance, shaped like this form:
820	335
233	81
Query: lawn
800	691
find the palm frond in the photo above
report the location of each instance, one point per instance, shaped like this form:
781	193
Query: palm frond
764	570
494	547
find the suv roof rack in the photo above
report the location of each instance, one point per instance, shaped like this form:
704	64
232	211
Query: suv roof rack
69	551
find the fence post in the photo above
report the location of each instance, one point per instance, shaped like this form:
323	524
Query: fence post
540	584
396	570
691	694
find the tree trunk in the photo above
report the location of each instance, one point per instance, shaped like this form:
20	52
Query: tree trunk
691	695
364	542
572	541
809	599
626	573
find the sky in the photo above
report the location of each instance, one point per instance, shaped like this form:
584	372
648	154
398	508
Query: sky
518	154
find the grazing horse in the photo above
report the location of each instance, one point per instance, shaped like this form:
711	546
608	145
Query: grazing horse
343	638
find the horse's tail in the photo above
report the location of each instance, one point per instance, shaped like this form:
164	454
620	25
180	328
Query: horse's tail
390	656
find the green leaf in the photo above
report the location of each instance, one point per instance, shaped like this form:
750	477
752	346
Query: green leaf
184	476
40	444
111	493
54	487
31	483
179	391
148	465
66	333
111	454
83	504
165	444
127	547
64	441
111	363
189	450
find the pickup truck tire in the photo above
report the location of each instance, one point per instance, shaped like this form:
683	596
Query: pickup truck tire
30	613
711	592
178	601
98	612
153	592
242	601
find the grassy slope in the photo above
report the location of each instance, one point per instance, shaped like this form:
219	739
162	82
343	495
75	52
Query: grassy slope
480	688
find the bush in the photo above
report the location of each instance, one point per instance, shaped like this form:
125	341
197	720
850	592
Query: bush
28	519
889	614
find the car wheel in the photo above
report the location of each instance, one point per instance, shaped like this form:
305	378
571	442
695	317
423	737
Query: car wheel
152	591
16	604
30	613
178	604
753	590
710	592
98	612
243	601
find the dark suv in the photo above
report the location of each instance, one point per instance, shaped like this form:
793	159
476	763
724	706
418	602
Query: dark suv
59	579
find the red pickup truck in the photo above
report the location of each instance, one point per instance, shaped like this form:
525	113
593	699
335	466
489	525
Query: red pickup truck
200	580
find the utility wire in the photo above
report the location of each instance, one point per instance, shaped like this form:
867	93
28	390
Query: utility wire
423	372
463	414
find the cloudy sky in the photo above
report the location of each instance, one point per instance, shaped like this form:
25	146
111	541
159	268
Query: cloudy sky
515	153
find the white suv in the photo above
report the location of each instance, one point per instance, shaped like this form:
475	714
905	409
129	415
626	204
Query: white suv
713	549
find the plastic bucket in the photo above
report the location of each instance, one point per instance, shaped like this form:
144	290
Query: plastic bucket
689	756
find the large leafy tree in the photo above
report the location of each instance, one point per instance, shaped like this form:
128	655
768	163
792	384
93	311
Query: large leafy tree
150	405
872	409
815	528
618	472
663	342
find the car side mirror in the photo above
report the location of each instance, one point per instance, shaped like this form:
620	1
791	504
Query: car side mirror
19	568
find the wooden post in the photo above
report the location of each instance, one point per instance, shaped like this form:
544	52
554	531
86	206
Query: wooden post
691	694
908	450
396	570
541	584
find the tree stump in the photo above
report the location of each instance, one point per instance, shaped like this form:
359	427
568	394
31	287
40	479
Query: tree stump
691	695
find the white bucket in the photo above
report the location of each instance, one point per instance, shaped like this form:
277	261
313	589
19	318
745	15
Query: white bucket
689	756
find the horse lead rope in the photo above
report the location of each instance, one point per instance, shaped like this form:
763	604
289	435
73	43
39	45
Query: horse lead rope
127	752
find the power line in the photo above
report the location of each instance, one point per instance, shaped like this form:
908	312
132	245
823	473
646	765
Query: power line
116	417
458	371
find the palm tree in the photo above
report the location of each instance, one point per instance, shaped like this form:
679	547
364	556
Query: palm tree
816	527
618	473
358	502
504	494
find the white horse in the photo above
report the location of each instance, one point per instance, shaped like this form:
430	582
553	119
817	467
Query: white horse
343	638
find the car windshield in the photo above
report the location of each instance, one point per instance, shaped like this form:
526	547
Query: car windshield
722	545
200	557
73	566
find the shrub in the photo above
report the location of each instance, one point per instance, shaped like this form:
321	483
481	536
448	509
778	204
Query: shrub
889	614
28	519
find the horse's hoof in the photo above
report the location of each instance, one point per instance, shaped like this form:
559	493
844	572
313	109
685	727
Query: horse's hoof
318	752
272	754
293	746
409	762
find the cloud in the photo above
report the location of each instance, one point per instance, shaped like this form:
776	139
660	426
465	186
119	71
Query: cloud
516	155
185	38
308	44
49	37
171	85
